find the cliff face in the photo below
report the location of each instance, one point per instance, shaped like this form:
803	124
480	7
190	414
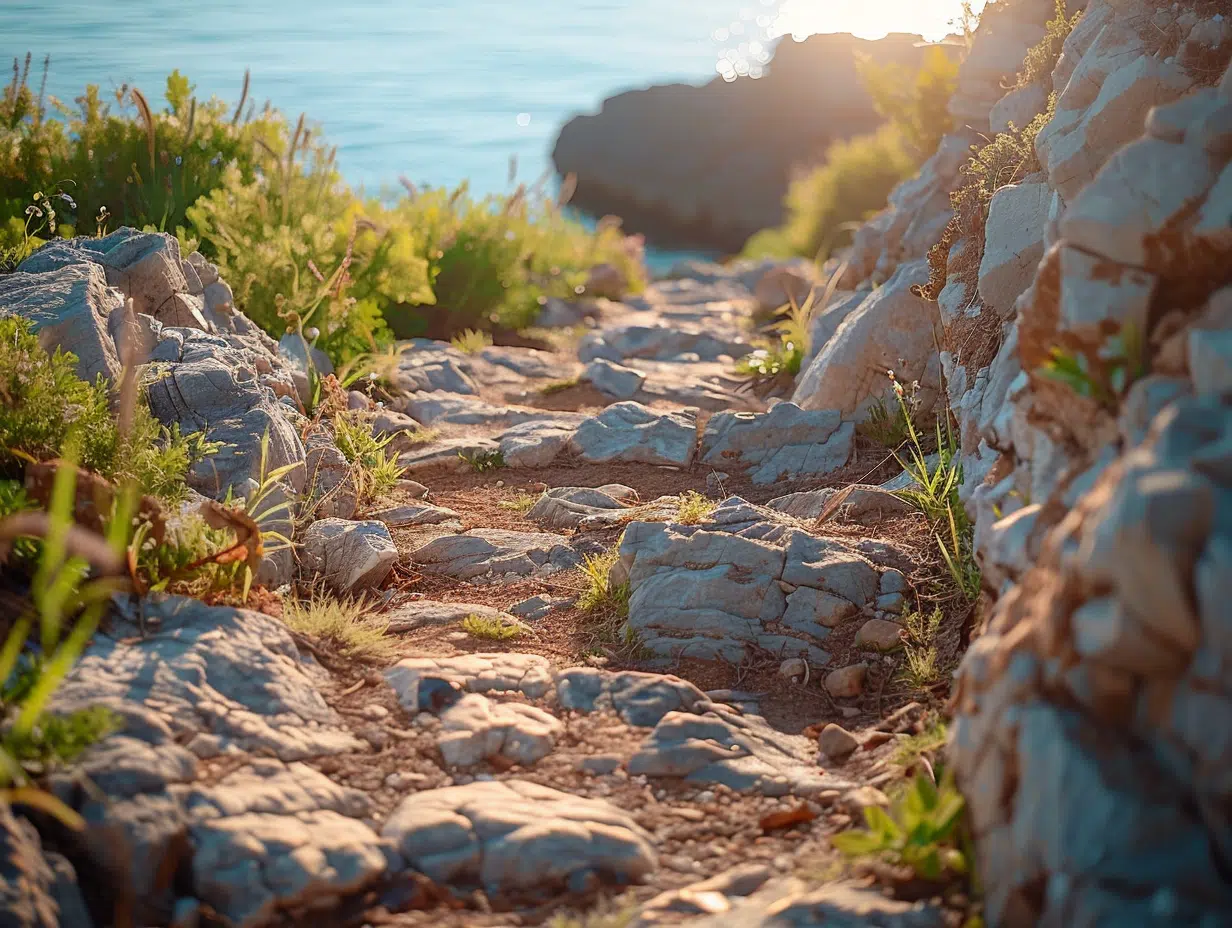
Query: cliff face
1084	315
708	166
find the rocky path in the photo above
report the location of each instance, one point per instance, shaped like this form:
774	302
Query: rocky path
628	676
599	754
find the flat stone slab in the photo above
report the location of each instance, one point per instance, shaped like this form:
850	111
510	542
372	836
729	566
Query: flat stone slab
451	409
528	674
631	432
514	835
528	362
477	728
428	372
614	380
416	514
738	751
638	698
793	903
446	454
566	507
425	613
785	443
229	672
535	444
861	503
492	554
660	342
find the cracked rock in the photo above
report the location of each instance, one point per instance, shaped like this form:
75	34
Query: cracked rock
348	556
514	835
783	444
638	698
476	728
631	432
529	674
491	554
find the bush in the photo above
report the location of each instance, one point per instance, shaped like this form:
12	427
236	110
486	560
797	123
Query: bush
1042	58
43	403
264	200
918	106
852	183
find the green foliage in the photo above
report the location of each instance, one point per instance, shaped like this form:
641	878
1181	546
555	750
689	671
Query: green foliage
934	492
376	472
929	741
481	462
694	508
470	341
43	403
916	105
1043	56
521	504
921	830
13	499
263	199
1105	375
62	592
490	628
1009	157
600	593
787	357
887	426
343	625
921	668
852	182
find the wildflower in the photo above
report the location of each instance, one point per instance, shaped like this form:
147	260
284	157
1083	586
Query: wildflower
312	333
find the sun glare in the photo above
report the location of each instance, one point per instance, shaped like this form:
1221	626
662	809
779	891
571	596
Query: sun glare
869	19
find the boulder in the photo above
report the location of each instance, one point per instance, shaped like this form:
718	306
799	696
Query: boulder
891	326
630	432
475	729
566	507
535	444
349	557
614	380
785	443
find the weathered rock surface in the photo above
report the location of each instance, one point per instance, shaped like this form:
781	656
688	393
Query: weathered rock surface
740	752
630	432
489	554
515	835
477	728
860	503
783	444
528	674
349	557
566	507
614	380
424	613
638	698
232	673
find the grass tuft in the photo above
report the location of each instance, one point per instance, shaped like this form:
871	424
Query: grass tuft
521	504
921	668
471	341
341	624
559	386
490	628
694	508
481	462
376	471
600	593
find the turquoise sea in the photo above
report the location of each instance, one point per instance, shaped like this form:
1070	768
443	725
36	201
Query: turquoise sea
436	90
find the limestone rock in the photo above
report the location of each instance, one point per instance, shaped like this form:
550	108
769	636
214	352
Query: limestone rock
414	514
26	879
423	613
861	503
349	557
566	507
231	672
630	432
476	728
439	408
489	554
535	444
1017	108
891	325
846	682
638	698
450	454
836	742
329	482
514	835
614	380
740	752
529	674
1013	244
783	444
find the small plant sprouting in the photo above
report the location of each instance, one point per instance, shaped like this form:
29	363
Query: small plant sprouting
694	508
521	504
374	469
600	593
921	830
787	357
490	628
471	341
921	669
483	461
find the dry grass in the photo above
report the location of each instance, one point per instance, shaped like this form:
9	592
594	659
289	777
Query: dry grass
490	628
694	508
343	625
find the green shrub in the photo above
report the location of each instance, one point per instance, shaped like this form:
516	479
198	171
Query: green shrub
375	470
917	105
264	200
1042	58
786	357
43	403
853	182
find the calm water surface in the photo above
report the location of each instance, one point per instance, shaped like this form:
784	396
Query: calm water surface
437	91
